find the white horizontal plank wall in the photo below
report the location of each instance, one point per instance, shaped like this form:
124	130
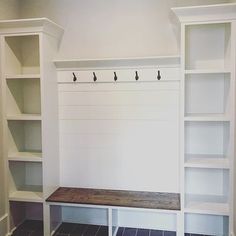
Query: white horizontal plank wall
118	136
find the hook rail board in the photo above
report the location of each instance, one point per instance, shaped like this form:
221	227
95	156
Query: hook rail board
118	63
135	75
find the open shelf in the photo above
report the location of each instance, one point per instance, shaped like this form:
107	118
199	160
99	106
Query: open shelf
25	181
206	71
207	97
206	161
128	217
206	224
205	204
28	194
23	99
22	55
22	77
24	137
207	117
24	117
21	212
207	138
208	46
207	191
25	156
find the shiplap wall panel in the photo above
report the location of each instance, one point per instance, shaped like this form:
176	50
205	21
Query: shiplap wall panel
118	135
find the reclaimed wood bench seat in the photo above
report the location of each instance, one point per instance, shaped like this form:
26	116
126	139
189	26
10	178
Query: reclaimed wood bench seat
119	198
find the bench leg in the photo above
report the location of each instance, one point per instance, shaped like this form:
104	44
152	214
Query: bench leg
46	216
110	221
180	224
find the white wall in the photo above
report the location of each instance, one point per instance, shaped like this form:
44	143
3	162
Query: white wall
111	28
9	9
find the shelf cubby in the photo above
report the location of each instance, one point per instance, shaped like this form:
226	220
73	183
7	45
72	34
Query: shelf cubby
206	191
207	96
24	140
23	99
206	224
207	46
22	55
207	143
25	181
26	211
77	215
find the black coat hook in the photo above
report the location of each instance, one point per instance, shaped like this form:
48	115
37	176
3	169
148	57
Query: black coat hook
74	77
115	76
158	75
94	77
136	75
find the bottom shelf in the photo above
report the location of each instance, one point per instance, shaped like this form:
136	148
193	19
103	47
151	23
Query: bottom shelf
206	224
29	227
26	216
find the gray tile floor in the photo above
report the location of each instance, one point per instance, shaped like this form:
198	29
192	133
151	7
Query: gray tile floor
35	228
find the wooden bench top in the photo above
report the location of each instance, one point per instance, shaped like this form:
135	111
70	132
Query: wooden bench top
137	199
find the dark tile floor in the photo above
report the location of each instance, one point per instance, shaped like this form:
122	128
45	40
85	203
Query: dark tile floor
143	232
68	229
35	228
29	228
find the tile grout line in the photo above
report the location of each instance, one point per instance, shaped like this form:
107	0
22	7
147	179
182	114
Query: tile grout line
123	232
85	229
97	230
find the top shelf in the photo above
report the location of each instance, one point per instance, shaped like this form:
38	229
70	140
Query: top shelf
208	48
206	71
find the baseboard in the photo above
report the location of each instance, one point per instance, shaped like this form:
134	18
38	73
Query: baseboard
3	225
55	229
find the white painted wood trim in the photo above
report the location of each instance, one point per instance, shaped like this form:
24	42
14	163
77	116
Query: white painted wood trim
31	25
112	207
110	221
218	12
105	63
232	220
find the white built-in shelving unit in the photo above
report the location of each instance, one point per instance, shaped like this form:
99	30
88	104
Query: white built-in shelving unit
208	118
30	116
